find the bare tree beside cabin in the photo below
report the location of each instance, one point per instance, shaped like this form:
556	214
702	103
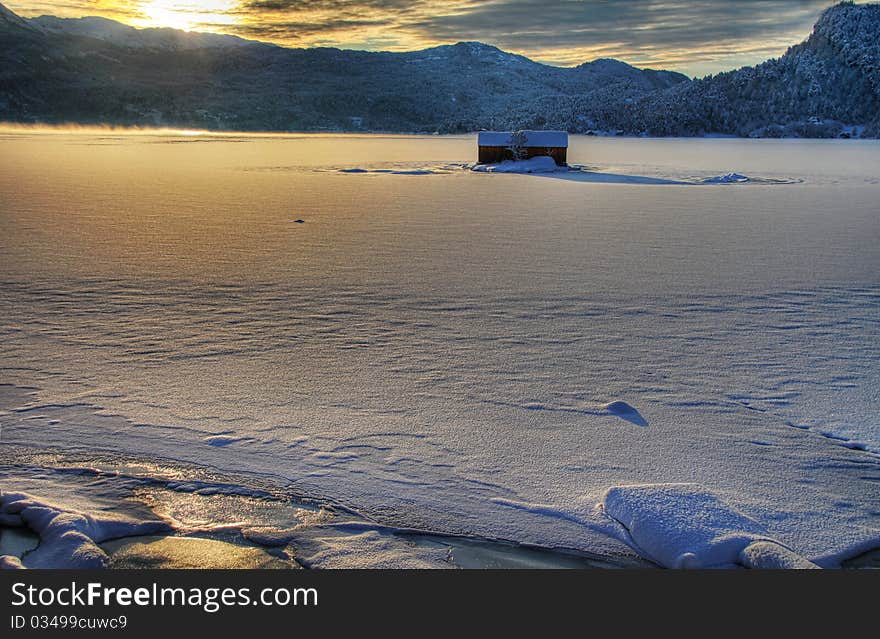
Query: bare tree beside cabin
518	142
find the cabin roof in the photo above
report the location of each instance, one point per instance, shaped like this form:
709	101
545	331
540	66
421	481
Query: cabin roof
533	138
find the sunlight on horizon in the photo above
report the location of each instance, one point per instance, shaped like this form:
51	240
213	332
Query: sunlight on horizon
24	129
12	128
186	16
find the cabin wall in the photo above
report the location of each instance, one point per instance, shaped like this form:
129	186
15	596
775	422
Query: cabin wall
496	154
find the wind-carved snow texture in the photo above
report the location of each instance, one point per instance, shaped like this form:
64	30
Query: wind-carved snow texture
453	354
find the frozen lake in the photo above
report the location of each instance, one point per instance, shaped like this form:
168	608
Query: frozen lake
454	351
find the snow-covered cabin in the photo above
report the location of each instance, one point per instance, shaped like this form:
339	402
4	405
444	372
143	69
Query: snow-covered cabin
498	146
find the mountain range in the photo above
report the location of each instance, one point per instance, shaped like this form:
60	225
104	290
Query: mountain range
97	71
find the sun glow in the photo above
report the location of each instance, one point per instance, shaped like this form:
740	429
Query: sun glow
205	15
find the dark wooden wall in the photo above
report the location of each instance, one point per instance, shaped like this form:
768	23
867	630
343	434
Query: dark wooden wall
495	154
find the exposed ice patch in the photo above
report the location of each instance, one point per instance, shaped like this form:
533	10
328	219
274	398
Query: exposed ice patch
168	552
16	540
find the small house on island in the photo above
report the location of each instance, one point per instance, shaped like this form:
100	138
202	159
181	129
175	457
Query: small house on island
498	146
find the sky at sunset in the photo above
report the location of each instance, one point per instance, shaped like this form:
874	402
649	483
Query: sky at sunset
695	37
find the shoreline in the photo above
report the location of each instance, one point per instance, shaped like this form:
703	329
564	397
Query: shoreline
8	127
326	535
329	537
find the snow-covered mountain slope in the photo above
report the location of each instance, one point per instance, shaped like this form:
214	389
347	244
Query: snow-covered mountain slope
9	20
830	80
125	36
93	70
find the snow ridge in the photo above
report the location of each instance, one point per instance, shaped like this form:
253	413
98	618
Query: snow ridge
68	538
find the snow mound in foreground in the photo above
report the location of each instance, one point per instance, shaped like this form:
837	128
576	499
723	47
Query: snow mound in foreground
730	178
68	538
540	164
687	526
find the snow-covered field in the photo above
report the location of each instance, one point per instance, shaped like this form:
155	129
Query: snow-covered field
645	352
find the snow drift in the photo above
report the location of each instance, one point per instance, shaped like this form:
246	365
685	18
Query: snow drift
68	539
729	178
687	526
539	164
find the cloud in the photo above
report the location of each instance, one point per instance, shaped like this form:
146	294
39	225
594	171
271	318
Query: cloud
113	9
655	32
694	36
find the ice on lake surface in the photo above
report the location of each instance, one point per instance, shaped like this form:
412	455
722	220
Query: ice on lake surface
457	352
